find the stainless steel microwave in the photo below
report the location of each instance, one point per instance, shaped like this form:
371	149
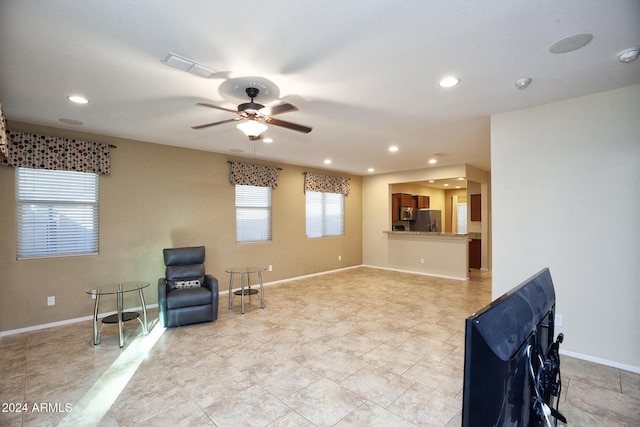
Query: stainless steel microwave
406	213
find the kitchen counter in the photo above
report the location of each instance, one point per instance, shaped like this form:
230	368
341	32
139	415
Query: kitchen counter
427	234
437	254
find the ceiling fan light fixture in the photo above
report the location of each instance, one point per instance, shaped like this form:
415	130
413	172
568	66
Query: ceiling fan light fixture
252	128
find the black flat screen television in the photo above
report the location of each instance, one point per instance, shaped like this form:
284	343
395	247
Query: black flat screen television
512	365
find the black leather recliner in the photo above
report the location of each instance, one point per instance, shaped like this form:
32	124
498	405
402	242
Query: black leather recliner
186	294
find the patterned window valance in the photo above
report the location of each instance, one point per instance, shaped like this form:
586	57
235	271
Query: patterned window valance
4	152
256	175
29	150
326	183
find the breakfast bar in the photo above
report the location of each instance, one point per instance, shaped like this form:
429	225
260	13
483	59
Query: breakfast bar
432	253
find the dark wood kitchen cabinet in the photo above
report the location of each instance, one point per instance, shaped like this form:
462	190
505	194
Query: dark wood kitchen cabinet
422	202
476	207
475	253
395	207
406	200
398	201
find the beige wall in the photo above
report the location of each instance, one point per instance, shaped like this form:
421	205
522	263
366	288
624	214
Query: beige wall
159	196
565	196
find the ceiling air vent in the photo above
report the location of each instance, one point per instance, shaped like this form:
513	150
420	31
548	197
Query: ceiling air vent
184	64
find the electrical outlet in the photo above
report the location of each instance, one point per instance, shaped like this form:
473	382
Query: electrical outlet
339	257
421	260
270	267
51	301
559	319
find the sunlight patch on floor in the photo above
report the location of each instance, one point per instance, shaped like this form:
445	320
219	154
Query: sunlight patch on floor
98	400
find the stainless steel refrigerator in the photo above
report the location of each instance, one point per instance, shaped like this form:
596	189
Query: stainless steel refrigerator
427	220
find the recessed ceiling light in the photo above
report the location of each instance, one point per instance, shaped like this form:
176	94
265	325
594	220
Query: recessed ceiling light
449	81
461	179
431	181
393	148
371	170
77	99
433	161
629	55
523	83
267	140
446	185
327	162
571	43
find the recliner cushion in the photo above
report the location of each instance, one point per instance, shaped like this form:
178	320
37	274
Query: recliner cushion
187	297
184	256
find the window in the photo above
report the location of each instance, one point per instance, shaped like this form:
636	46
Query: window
325	214
57	213
462	218
253	214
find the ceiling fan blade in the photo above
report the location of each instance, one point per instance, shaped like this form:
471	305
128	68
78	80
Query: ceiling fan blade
288	125
235	119
217	107
280	108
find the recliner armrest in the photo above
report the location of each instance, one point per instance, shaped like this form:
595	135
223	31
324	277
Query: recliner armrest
162	300
211	283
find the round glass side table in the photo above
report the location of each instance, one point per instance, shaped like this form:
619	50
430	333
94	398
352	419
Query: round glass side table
245	275
118	289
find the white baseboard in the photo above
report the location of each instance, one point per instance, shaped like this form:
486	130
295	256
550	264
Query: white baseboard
306	276
464	279
600	361
68	321
101	315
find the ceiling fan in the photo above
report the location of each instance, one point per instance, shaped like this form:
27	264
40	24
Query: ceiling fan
253	116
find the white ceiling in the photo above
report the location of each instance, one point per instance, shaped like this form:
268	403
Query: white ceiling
364	74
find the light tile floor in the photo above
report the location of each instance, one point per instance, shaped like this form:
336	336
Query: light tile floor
359	347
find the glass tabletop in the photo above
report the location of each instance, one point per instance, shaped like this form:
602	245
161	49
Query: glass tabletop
245	269
118	287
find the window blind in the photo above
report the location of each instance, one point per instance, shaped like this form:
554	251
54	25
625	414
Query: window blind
253	214
57	213
324	214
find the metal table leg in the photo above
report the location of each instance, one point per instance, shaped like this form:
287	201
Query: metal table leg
120	320
144	312
96	331
242	293
230	290
261	289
